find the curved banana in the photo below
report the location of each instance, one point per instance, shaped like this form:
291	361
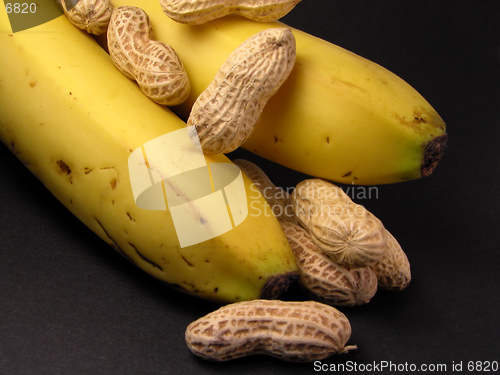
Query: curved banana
338	116
73	119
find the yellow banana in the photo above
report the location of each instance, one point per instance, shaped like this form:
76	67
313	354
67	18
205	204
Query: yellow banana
338	116
73	119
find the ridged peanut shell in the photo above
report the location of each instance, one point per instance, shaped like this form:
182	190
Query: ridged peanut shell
196	12
227	111
93	16
393	270
323	279
321	192
154	65
347	232
278	199
291	331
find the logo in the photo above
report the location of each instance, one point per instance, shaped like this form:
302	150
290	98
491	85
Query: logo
204	199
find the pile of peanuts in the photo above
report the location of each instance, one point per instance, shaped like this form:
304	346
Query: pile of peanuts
344	253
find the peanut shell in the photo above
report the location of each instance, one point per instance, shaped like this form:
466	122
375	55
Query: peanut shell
279	200
347	232
154	65
227	111
322	278
291	331
93	16
393	270
196	12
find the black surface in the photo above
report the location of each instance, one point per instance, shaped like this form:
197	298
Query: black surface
69	304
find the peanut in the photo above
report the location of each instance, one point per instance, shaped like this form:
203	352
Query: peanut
196	12
290	331
279	200
347	232
90	15
393	270
154	65
225	114
322	278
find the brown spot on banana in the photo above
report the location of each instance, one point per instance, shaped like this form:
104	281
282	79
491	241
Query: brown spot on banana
185	260
62	167
145	258
113	243
13	148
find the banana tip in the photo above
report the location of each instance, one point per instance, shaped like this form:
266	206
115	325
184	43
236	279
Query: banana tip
277	285
434	151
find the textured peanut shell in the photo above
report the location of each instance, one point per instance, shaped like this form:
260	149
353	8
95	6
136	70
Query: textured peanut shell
93	16
347	232
227	111
393	270
291	331
322	278
196	12
319	190
154	65
278	199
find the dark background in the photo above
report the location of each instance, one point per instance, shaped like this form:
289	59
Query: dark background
69	304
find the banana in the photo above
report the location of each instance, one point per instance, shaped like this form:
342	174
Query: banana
72	118
338	116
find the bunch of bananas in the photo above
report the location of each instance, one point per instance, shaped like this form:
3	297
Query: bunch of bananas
74	120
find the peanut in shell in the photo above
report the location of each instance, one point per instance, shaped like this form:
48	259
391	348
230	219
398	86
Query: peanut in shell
291	331
197	12
228	110
323	279
393	270
154	65
347	232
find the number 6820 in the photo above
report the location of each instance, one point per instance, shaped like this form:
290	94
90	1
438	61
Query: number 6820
20	7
